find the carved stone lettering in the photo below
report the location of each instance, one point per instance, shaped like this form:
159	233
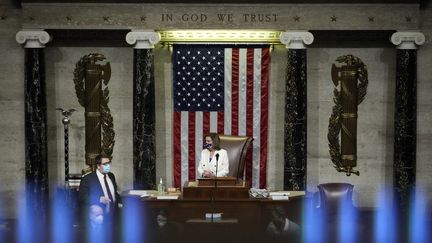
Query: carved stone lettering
220	17
260	18
194	17
225	17
166	17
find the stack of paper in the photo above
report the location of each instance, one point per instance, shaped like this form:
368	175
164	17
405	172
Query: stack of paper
258	193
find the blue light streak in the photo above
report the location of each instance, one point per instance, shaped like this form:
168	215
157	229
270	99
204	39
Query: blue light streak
419	231
348	222
25	231
134	225
61	218
313	224
385	218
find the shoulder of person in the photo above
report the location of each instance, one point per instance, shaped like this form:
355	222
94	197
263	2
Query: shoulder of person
111	175
222	151
271	227
88	175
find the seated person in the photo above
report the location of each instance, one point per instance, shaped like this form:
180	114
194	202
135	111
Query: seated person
165	230
211	156
93	229
96	218
280	226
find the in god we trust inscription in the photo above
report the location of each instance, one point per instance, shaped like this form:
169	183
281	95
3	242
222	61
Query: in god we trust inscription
220	17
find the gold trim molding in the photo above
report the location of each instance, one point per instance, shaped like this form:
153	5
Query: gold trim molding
221	35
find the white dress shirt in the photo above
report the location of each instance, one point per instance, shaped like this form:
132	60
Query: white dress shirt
110	185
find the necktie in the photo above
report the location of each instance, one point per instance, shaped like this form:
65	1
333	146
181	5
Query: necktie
108	192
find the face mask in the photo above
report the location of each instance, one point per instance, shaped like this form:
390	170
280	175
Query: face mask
98	219
161	221
208	145
106	168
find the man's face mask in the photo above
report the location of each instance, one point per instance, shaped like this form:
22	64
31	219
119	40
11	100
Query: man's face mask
106	168
161	221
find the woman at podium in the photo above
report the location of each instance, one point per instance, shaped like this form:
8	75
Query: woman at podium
214	160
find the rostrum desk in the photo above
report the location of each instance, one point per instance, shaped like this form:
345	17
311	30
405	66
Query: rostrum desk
243	220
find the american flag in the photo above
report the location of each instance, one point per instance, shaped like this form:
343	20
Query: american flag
221	89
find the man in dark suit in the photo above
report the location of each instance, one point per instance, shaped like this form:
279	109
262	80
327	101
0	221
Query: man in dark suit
100	188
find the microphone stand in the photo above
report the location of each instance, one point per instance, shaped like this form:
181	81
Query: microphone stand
215	187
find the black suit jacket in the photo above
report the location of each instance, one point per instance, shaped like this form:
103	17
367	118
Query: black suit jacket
90	191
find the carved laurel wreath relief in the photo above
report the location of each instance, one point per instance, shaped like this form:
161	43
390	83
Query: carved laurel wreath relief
350	78
89	78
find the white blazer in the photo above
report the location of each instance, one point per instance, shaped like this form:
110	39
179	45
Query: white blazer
210	165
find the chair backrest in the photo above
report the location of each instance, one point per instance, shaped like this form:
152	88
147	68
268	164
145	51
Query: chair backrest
236	147
334	195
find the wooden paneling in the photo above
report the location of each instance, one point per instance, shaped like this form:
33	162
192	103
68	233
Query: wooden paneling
244	219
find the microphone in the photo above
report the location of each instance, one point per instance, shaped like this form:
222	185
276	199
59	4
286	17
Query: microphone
215	186
217	159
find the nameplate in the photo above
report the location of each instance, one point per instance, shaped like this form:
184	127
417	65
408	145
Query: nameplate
167	197
216	216
280	193
279	197
138	192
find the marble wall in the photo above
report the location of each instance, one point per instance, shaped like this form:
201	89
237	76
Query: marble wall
61	93
375	123
424	108
12	115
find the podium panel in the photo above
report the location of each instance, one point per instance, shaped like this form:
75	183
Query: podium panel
243	220
194	190
219	181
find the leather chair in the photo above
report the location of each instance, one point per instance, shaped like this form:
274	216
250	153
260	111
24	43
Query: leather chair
336	207
334	195
236	147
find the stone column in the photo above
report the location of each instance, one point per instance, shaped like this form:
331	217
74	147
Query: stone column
144	148
295	109
405	129
36	162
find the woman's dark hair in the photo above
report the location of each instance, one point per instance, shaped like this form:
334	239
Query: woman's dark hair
215	138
